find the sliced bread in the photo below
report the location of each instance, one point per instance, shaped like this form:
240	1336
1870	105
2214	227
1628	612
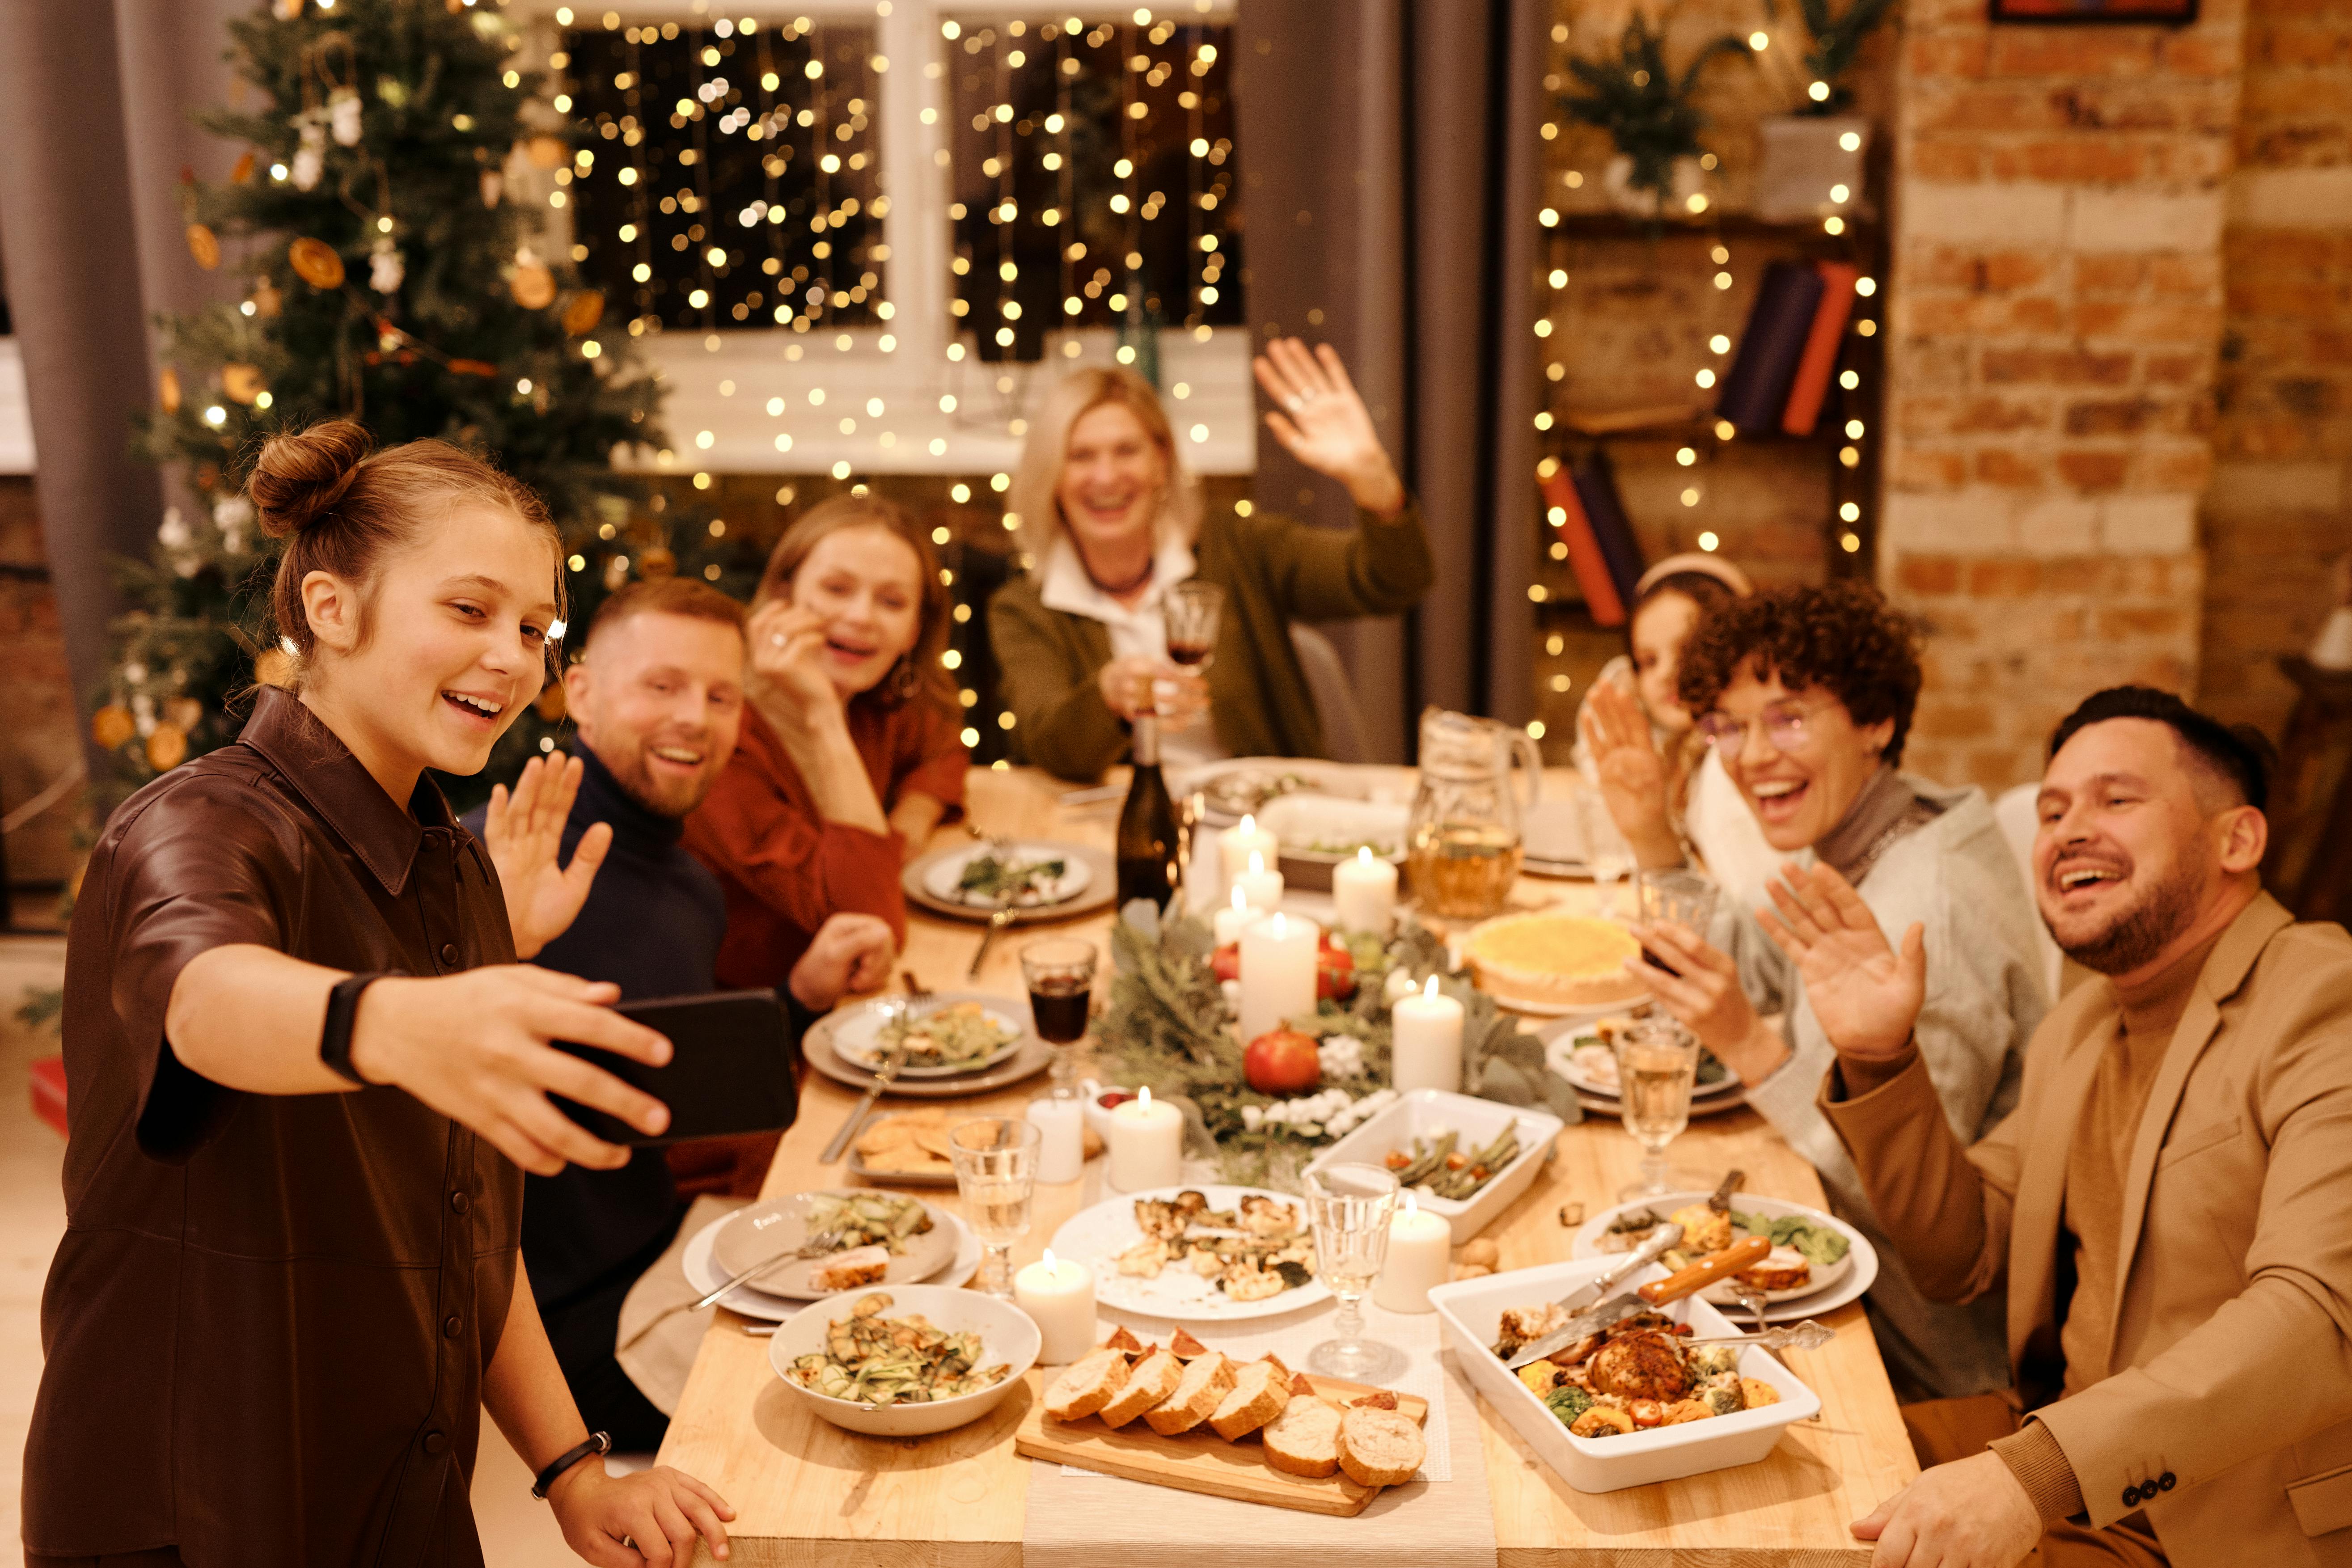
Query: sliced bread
1087	1385
1379	1448
1151	1380
1261	1392
1208	1378
1303	1440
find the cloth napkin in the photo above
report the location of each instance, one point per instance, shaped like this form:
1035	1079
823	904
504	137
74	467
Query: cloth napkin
657	1363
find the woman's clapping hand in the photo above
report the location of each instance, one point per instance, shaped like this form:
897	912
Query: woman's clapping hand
1323	422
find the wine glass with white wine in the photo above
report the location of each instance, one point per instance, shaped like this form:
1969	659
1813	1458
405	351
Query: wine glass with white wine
1657	1059
995	1160
1348	1207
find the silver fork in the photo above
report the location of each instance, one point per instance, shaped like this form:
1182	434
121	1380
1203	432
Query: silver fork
1002	847
816	1245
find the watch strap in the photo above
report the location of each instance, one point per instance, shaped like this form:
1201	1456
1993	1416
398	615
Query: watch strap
335	1037
595	1443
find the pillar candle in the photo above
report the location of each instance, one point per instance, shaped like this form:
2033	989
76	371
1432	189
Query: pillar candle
1259	887
1236	918
1147	1143
1062	1137
1278	974
1364	890
1059	1297
1421	1254
1426	1036
1237	845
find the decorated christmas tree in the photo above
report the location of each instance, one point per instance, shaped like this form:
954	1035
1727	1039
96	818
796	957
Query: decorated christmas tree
388	219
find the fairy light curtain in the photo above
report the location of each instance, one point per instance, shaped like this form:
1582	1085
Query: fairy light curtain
728	172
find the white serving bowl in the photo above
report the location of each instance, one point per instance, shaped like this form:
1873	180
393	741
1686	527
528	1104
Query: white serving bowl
1470	1312
1424	1112
1300	820
1006	1335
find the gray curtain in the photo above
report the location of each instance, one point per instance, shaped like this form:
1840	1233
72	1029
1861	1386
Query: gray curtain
1390	168
93	110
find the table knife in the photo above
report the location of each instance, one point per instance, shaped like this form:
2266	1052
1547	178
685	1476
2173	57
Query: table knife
1744	1254
884	1076
1721	1201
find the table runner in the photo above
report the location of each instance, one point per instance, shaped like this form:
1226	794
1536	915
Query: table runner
1078	1519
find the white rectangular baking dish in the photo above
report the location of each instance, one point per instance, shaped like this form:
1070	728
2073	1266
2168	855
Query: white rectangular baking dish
1424	1112
1470	1312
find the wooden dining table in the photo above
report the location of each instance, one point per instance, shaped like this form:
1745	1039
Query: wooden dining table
810	1495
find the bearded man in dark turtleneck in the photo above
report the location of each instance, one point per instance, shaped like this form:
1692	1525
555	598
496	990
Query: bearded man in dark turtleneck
658	700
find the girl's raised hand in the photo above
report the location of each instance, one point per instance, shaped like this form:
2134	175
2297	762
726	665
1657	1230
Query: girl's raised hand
1633	775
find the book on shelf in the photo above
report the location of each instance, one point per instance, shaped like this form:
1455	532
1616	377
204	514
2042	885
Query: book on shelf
1602	554
1755	395
1585	562
1811	383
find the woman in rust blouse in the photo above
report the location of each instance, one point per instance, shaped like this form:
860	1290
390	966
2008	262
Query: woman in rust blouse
305	1069
849	754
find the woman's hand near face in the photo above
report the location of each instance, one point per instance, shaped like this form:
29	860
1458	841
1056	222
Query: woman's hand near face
1135	683
1707	998
1323	422
788	678
1633	775
1866	994
524	834
476	1047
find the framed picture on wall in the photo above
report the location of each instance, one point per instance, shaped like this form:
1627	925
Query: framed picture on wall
2089	11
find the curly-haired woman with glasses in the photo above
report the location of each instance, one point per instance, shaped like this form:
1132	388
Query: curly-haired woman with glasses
1807	694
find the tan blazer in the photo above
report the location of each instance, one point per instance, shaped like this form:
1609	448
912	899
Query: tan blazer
2226	1410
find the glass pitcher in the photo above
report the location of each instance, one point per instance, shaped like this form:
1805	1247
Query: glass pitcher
1463	839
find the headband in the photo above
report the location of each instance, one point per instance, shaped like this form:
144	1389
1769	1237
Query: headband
1706	565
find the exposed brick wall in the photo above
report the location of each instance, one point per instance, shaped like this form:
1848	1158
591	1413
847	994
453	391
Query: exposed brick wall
2055	316
37	731
2283	481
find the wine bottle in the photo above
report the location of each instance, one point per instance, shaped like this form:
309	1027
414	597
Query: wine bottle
1147	823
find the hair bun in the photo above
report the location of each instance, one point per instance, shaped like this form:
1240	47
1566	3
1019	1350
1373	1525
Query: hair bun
301	475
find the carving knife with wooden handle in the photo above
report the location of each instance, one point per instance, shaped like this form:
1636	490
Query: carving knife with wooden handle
1746	1253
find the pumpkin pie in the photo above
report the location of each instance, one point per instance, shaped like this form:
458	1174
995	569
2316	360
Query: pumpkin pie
1552	960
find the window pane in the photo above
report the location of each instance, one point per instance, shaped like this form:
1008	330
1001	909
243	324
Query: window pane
1095	178
733	175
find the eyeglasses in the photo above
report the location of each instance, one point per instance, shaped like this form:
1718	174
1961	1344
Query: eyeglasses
1783	724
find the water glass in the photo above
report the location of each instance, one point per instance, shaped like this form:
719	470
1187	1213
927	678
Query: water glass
995	1160
1672	893
1656	1060
1060	972
1350	1207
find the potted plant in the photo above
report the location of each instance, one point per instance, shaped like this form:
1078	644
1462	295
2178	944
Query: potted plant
1647	111
1812	159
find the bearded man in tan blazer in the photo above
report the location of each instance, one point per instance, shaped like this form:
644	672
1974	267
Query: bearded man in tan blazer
2168	1212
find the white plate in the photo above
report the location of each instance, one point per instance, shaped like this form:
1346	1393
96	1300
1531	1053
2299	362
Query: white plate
702	1271
1422	1114
762	1230
1854	1274
856	1040
1562	1053
1470	1312
1301	821
1006	1334
941	876
1095	1237
1350	781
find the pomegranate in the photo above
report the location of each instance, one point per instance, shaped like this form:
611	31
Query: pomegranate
1335	971
1226	964
1282	1061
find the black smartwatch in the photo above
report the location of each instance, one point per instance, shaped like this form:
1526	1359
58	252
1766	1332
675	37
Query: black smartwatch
595	1443
343	1006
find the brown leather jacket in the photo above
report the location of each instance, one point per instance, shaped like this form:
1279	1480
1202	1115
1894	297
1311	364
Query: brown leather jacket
266	1325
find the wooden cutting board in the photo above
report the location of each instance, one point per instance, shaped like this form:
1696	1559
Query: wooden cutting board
1199	1460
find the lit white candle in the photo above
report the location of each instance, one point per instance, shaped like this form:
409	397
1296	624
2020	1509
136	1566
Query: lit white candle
1421	1254
1235	919
1259	887
1426	1038
1237	845
1059	1297
1147	1143
1278	974
1364	891
1062	1137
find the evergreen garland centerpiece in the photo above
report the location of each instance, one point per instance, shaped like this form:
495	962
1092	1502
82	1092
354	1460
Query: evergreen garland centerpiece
1169	1027
388	217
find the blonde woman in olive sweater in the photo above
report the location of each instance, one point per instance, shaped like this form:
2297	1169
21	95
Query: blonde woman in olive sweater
1110	521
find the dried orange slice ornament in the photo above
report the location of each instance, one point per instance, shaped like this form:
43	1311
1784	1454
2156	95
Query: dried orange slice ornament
167	390
533	286
242	383
582	312
205	245
167	747
111	725
315	263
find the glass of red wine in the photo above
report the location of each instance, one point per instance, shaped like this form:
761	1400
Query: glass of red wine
1060	972
1191	612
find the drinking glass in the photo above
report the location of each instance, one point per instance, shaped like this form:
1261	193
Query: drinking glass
1607	854
1190	611
1350	1207
1060	971
1672	893
1656	1060
995	1162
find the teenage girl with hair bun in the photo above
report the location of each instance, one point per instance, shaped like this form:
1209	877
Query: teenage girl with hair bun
307	1074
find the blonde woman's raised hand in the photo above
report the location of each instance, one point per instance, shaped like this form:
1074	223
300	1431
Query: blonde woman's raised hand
524	834
1321	421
